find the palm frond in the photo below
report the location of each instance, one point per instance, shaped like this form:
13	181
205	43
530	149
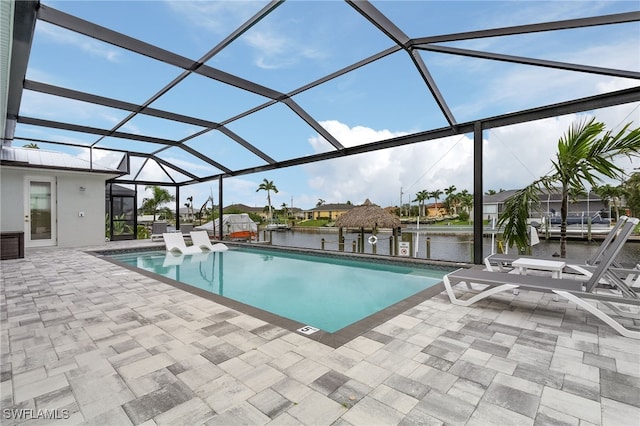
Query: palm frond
515	213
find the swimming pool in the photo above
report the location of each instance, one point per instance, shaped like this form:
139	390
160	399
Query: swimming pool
327	293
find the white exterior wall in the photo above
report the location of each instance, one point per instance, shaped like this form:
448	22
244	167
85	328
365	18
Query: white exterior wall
72	230
11	200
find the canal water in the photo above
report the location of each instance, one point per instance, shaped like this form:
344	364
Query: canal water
457	248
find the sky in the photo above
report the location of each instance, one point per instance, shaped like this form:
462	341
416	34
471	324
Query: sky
302	41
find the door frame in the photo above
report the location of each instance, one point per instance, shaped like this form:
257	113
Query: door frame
28	242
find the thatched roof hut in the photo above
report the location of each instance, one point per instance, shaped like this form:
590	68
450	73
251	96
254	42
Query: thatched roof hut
368	215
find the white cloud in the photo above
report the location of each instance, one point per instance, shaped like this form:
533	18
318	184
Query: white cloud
380	175
220	17
86	44
514	156
60	109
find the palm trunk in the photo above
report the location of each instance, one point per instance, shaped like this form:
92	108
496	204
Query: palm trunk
564	211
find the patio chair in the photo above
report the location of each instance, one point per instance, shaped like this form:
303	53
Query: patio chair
573	290
504	260
174	241
201	239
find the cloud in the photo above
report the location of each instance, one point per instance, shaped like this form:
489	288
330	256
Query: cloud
514	156
57	108
273	49
381	175
271	42
86	44
218	17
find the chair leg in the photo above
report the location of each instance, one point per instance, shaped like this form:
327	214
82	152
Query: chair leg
598	313
477	297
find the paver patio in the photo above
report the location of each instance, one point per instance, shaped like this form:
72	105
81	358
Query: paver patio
93	343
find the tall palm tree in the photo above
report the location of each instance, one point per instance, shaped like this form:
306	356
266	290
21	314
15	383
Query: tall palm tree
452	199
421	197
268	185
584	154
158	196
611	196
466	201
436	196
631	190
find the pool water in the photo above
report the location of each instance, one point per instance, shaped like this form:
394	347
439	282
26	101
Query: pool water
323	292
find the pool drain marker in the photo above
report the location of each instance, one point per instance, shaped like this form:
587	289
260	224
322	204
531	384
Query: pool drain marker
307	329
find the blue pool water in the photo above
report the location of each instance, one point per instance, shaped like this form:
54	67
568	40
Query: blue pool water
326	293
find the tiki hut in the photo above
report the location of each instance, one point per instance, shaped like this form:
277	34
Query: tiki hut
366	216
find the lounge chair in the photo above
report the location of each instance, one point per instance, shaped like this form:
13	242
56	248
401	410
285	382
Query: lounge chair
504	260
573	290
174	241
201	239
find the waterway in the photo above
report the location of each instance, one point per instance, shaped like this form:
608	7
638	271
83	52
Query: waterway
456	247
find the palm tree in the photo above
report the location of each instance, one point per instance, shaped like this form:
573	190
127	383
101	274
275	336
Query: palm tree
611	196
267	185
632	194
583	154
451	199
320	202
159	196
421	197
436	196
466	202
31	145
189	206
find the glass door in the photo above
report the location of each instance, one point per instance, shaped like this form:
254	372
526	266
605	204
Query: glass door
40	211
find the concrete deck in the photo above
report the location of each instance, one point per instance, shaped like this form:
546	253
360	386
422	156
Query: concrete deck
89	342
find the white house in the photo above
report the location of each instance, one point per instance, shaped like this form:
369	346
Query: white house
54	198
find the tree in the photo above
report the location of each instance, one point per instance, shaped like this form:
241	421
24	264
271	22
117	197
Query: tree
189	206
584	154
632	193
320	202
466	202
31	145
159	197
267	185
612	196
421	197
436	196
452	199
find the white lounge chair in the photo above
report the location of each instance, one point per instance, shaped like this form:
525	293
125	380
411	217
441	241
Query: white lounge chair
575	291
174	241
201	240
504	260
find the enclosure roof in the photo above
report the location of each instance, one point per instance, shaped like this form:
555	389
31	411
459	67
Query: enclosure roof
43	159
198	113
